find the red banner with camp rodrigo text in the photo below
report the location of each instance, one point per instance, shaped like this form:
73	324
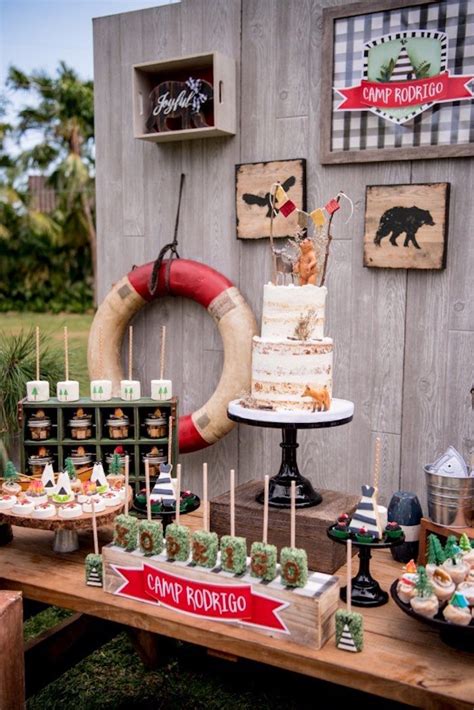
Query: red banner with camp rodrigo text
402	94
217	602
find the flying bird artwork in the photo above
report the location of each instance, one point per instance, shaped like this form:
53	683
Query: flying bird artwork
266	200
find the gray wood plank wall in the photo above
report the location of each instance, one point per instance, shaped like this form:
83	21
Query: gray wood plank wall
404	340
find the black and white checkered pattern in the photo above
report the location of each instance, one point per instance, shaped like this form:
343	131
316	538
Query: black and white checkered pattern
442	124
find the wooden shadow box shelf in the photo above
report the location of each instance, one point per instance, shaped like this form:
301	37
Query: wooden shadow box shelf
219	113
99	445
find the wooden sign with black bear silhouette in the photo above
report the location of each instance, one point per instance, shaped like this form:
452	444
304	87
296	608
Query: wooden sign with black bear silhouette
253	197
406	226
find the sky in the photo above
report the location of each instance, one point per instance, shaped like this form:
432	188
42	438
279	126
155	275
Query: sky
37	34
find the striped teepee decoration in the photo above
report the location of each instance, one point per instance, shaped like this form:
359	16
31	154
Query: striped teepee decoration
367	513
403	70
163	488
346	642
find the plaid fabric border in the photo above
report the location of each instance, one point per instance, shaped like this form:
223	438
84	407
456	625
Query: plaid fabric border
443	124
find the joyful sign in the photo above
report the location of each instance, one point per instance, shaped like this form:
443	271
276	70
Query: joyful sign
217	602
405	74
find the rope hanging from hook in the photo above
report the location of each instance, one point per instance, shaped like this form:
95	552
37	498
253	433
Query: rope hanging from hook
172	248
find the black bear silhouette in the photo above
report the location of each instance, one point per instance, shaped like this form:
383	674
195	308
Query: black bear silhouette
397	220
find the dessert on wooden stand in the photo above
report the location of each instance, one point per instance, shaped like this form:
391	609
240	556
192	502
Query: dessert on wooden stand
130	389
162	389
192	577
67	390
292	359
150	532
63	504
263	557
37	390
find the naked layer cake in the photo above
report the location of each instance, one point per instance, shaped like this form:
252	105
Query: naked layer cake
292	360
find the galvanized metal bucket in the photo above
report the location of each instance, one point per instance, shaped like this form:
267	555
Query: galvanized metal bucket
450	499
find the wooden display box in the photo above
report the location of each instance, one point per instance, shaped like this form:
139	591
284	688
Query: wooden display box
302	616
60	444
427	526
219	113
324	555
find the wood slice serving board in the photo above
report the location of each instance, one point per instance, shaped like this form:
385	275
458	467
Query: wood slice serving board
311	523
84	522
303	616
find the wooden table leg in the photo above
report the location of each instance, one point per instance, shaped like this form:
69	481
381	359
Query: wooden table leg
12	669
150	647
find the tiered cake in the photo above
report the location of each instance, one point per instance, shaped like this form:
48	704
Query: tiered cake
292	360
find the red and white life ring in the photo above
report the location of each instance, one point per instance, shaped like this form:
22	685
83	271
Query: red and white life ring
224	303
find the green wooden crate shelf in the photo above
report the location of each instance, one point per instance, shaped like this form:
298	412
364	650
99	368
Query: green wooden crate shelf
99	445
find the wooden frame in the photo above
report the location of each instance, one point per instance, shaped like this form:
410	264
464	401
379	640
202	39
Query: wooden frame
328	156
431	255
253	226
223	69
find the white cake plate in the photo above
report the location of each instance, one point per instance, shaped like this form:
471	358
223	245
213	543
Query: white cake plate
340	412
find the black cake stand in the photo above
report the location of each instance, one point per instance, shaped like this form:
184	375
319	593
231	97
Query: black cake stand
365	590
341	412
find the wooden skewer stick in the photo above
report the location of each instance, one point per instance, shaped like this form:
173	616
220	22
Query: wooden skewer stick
101	356
147	489
162	355
377	460
66	354
170	439
232	502
130	352
127	470
204	498
178	494
293	515
266	486
272	243
37	352
349	575
94	527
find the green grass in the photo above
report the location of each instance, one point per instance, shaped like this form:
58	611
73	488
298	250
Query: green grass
53	325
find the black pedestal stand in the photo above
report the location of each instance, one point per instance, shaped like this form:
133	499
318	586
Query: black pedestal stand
280	485
366	591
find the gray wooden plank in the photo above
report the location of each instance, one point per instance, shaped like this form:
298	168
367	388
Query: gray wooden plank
459	414
108	102
292	79
132	204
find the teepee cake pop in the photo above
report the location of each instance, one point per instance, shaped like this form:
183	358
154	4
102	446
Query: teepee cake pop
162	389
67	390
94	572
130	389
177	536
349	624
125	525
233	549
205	544
263	557
366	516
293	560
150	532
99	478
101	389
37	390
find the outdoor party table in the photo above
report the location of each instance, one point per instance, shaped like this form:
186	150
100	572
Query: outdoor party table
402	659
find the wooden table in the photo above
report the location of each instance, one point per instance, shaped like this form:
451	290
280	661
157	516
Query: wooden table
402	660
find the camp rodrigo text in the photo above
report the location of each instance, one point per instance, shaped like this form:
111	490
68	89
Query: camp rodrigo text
401	94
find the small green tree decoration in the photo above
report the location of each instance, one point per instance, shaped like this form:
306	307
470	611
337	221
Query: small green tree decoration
464	543
10	472
435	550
424	588
115	467
452	549
70	468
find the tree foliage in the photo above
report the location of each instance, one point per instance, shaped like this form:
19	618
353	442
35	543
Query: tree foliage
47	261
